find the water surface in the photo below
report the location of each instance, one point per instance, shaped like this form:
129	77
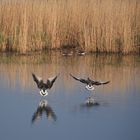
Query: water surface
64	115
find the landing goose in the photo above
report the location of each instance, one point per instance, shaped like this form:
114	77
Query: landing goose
44	86
89	83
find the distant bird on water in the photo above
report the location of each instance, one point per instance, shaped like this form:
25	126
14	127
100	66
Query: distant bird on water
81	52
89	83
44	86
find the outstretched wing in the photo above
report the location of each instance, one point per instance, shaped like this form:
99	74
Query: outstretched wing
38	80
99	82
50	113
79	79
37	114
51	81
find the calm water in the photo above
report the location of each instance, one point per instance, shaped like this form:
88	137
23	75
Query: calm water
65	115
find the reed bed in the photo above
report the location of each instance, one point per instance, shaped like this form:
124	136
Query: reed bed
90	25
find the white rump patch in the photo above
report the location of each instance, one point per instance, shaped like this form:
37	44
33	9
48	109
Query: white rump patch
89	87
42	93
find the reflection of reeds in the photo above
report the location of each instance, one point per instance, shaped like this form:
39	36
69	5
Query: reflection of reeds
93	25
120	70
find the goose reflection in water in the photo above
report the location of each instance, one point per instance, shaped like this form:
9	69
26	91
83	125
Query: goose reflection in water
44	108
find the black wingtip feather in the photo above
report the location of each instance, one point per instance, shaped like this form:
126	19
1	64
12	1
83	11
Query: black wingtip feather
74	77
107	82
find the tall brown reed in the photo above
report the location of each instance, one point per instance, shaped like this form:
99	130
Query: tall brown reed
93	25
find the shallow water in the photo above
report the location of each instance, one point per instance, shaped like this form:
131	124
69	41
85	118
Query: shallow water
64	114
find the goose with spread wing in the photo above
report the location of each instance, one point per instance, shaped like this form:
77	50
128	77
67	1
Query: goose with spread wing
89	83
44	86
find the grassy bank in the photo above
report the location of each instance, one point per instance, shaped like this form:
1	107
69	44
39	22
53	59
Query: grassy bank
93	25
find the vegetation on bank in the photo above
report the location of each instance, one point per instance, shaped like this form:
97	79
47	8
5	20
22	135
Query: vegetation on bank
90	25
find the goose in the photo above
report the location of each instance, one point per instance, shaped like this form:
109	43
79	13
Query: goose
81	52
44	107
67	53
89	83
44	86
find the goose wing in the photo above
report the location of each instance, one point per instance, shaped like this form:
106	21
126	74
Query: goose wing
37	114
99	82
50	81
38	80
50	113
79	79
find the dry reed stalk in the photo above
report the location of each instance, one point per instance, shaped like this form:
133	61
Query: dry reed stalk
93	25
